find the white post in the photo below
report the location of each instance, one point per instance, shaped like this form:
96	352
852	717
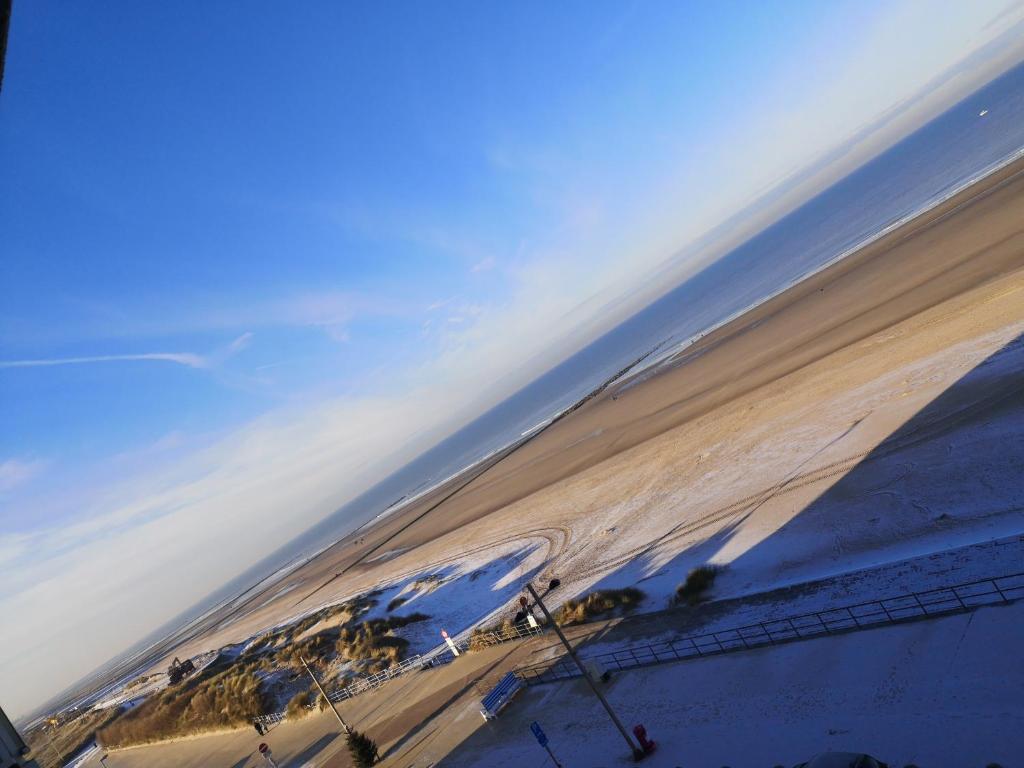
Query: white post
451	644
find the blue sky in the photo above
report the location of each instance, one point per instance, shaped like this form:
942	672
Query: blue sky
253	261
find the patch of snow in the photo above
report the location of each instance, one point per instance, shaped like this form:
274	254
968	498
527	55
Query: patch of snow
942	692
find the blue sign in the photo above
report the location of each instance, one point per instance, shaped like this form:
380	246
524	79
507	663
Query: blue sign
542	738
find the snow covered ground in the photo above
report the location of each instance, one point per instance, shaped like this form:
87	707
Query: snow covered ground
940	693
976	562
461	594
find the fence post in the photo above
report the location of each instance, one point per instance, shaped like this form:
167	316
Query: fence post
958	598
998	589
924	611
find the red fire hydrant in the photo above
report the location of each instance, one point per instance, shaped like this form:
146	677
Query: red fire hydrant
646	744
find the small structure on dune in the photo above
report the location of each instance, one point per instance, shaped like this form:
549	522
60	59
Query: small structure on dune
179	670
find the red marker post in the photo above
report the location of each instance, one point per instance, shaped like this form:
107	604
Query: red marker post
647	745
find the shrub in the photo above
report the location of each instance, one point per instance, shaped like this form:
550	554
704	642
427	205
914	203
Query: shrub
298	705
311	649
483	637
370	641
362	748
600	603
698	582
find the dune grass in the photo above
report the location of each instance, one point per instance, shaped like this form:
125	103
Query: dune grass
600	604
216	698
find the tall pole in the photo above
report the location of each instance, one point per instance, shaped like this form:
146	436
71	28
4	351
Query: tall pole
633	748
327	698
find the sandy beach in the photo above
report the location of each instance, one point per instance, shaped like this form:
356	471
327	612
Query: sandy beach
856	437
949	277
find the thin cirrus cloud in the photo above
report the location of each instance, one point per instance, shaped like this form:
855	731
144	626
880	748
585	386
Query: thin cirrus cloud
187	359
181	358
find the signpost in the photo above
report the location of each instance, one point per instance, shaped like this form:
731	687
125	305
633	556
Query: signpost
542	739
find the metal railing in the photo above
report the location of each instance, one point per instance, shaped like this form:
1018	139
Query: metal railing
485	639
438	657
874	613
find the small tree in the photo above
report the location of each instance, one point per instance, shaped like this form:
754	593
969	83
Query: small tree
362	748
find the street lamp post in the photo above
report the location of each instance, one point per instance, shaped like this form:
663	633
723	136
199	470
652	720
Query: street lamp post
637	752
323	693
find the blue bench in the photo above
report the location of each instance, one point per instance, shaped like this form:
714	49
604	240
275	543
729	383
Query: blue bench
500	695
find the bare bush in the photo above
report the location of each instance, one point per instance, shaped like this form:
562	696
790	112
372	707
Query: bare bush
698	582
603	602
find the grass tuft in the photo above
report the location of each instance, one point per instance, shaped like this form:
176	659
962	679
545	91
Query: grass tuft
299	705
599	604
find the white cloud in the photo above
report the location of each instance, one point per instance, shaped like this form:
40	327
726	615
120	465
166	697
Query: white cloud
187	359
18	472
181	358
